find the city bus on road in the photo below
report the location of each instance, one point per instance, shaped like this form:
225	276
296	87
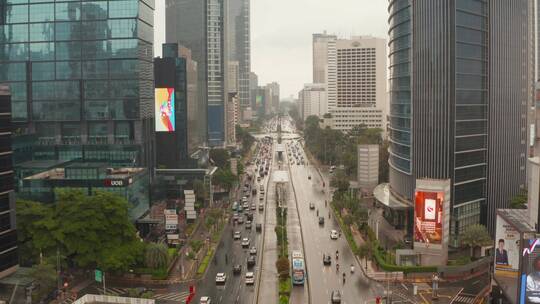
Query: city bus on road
298	268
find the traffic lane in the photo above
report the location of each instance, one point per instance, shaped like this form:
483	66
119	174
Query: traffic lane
268	275
331	279
321	278
363	287
299	293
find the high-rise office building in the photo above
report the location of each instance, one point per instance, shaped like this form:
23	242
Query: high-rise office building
8	233
81	77
177	134
355	77
234	77
462	114
201	26
321	44
274	93
253	87
240	46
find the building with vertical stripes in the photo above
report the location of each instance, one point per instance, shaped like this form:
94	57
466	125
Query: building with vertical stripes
460	86
8	233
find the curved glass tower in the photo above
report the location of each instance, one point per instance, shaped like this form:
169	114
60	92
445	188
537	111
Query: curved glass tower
400	97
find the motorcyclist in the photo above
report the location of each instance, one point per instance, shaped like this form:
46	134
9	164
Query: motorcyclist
337	254
352	268
317	212
344	278
337	266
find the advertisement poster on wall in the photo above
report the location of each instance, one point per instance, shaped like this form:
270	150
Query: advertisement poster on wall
164	110
507	248
428	217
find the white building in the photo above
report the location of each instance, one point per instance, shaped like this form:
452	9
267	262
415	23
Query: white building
368	167
313	100
355	77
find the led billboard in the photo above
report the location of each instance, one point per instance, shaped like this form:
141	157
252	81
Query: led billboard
428	217
164	110
530	276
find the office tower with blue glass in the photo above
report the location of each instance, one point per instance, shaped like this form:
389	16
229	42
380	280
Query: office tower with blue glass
81	78
201	26
459	96
8	233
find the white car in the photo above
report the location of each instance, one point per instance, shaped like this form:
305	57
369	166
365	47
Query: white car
237	235
334	235
205	300
250	278
253	250
221	278
245	243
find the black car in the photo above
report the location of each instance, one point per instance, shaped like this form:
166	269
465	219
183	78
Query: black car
249	216
321	220
251	261
327	259
237	269
258	227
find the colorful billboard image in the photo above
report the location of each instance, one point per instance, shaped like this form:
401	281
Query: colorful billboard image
507	249
164	110
428	217
530	277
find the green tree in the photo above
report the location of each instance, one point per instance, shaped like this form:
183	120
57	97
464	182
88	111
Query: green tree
35	228
46	277
156	256
200	190
340	181
224	178
95	231
519	201
282	265
220	157
475	236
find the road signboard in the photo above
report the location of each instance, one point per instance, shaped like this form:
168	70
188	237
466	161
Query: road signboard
98	274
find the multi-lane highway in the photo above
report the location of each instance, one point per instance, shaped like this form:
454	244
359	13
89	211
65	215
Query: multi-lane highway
230	253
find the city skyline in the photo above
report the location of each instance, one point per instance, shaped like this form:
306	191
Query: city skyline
290	41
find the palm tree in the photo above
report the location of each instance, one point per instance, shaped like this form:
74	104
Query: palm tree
156	256
364	251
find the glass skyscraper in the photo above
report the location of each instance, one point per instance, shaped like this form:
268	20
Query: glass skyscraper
81	76
240	46
200	25
462	114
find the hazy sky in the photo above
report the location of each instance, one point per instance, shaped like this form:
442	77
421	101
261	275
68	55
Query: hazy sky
281	34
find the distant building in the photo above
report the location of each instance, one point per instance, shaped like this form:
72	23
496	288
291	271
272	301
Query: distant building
8	234
275	96
232	116
354	71
368	167
239	45
190	23
234	77
320	56
313	100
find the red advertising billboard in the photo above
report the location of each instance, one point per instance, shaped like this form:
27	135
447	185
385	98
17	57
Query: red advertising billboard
428	217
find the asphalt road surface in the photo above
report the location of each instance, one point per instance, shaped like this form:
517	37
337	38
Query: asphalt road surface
325	279
234	290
